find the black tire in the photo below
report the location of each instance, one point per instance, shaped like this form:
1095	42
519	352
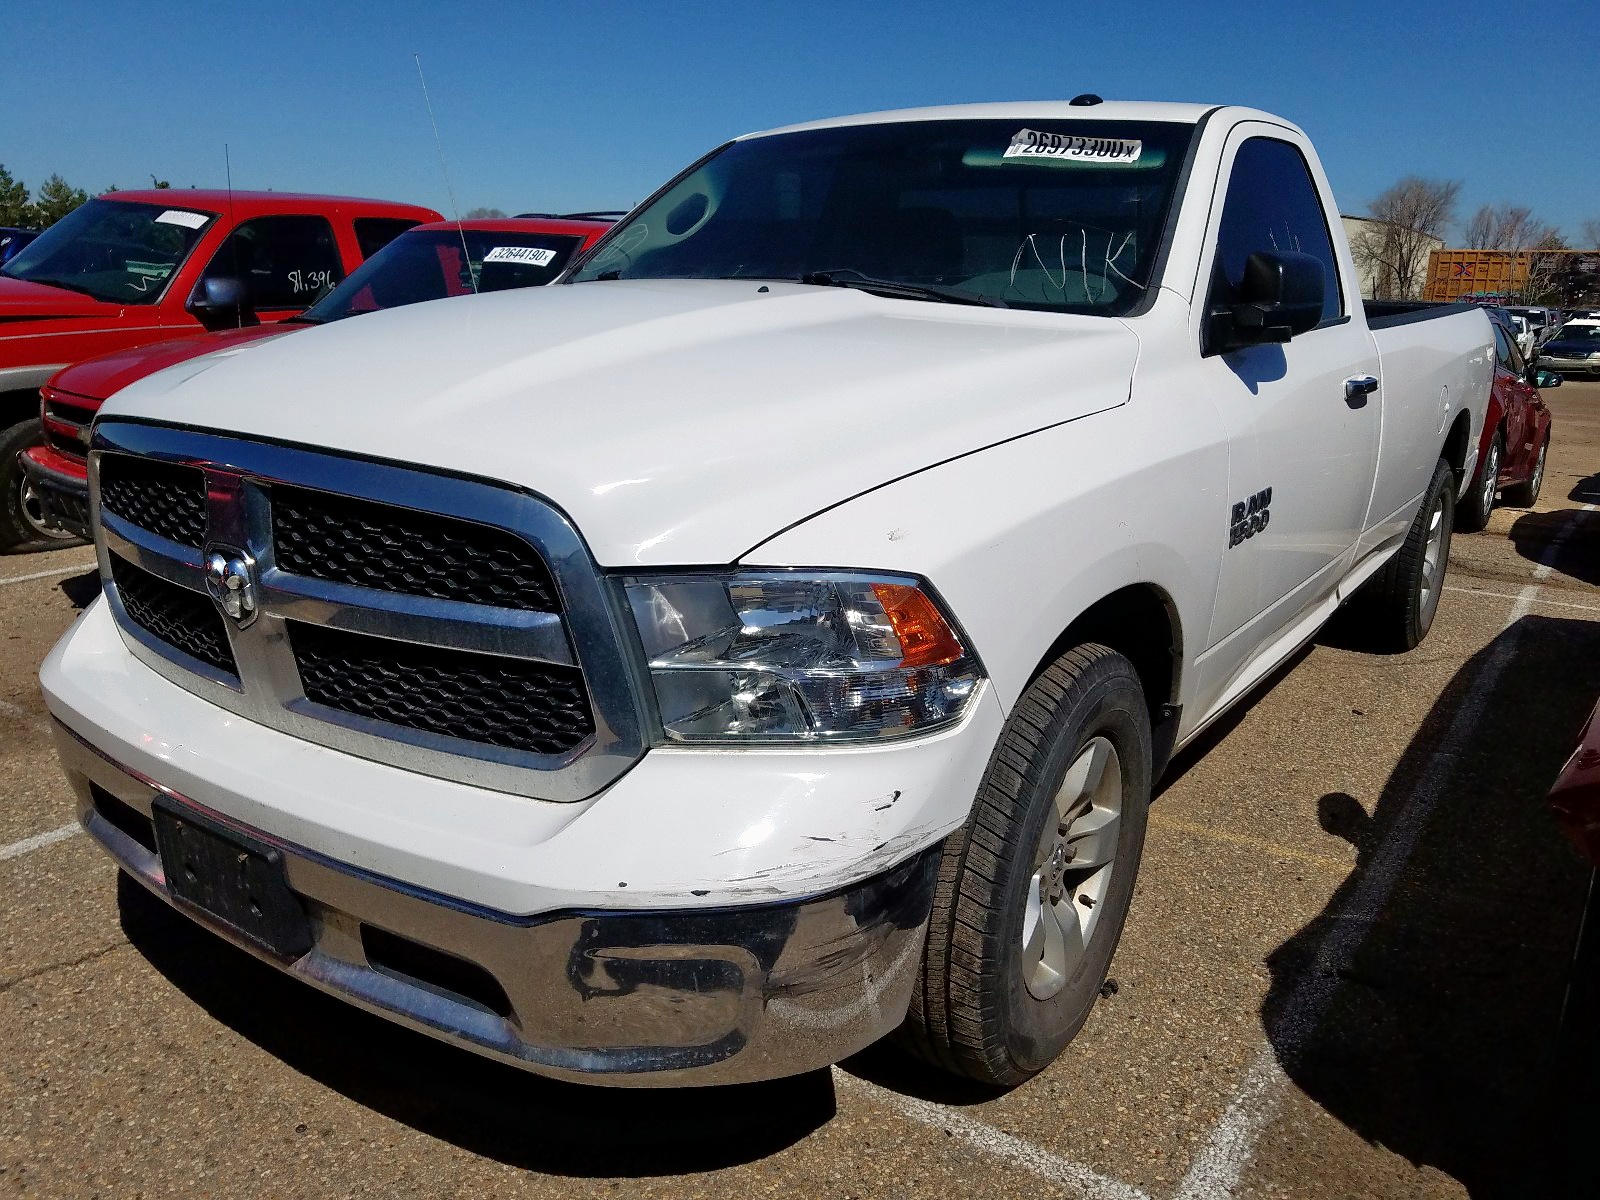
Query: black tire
17	532
973	1012
1526	493
1472	513
1398	610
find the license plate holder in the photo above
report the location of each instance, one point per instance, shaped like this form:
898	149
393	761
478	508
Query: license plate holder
235	880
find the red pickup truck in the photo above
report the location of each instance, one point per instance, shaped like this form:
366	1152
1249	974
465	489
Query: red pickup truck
129	268
428	262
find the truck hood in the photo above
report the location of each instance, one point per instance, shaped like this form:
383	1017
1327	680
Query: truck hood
97	378
674	421
24	301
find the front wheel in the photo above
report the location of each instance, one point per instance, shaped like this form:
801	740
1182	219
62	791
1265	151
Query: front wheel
23	525
1033	892
1526	494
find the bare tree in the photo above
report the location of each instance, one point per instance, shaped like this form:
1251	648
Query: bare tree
479	214
1589	234
1504	227
1408	218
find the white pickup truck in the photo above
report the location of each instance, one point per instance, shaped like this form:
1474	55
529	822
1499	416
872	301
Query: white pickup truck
768	641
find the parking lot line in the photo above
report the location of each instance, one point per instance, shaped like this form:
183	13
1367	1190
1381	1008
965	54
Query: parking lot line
39	841
995	1142
1326	862
77	569
1540	601
1218	1167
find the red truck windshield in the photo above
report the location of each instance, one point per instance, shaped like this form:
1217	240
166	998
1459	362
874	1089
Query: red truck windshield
429	264
119	252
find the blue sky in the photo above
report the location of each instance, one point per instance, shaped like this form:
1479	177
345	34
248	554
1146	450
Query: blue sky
560	106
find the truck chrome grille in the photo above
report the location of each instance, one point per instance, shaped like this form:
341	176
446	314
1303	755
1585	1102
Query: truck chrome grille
164	498
184	620
449	626
404	550
474	697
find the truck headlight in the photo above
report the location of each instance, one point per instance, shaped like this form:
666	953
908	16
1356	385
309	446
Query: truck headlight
786	657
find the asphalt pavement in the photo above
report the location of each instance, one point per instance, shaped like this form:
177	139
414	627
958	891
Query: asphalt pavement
1343	974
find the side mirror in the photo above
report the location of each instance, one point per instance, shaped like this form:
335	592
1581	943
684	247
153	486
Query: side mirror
1545	379
1279	298
222	302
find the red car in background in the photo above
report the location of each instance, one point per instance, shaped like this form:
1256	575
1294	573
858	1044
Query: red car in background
1516	435
427	262
130	268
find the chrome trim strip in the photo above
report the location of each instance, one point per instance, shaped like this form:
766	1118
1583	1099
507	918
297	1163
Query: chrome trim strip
447	624
590	633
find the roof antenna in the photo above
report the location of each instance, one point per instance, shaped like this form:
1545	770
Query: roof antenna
233	229
466	255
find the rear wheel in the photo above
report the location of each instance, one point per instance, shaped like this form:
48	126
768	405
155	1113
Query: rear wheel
1472	514
1033	893
1526	494
1402	599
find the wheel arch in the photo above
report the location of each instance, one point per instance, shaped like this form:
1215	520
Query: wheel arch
1458	442
1140	621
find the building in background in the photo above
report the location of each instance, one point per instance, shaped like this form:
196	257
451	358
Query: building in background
1377	276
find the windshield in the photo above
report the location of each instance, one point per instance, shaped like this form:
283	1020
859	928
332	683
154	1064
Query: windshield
118	252
1058	215
429	265
1578	333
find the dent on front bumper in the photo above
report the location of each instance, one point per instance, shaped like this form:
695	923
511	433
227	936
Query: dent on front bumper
701	996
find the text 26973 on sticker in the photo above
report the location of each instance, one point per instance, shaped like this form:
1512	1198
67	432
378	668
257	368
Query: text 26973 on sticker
1031	143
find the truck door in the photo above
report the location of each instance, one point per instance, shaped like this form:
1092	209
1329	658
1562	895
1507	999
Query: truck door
1303	446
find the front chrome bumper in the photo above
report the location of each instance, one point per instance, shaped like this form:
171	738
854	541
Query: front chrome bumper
710	996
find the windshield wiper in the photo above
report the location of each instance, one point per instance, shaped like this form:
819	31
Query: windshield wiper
852	278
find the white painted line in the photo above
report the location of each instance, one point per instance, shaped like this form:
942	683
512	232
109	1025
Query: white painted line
39	841
75	570
995	1143
1542	603
1220	1163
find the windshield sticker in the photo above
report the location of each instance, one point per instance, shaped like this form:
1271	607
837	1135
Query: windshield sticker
536	255
154	270
1030	143
177	216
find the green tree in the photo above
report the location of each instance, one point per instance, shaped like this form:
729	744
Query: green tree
14	206
56	199
160	183
480	214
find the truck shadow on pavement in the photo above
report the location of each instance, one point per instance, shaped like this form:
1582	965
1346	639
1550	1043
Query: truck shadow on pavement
481	1106
1439	1042
1534	533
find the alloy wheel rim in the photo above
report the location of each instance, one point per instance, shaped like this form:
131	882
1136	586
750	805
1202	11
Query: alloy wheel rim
1432	564
33	513
1538	470
1072	869
1491	478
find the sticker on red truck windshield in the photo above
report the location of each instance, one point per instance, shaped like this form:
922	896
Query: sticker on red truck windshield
1030	143
177	216
536	256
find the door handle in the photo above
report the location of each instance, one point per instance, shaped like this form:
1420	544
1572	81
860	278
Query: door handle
1357	388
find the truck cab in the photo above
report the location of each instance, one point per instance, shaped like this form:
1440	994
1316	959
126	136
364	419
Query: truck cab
130	268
